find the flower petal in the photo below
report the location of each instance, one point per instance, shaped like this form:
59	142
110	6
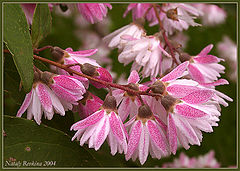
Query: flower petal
143	145
101	135
25	104
116	127
134	77
206	50
188	111
195	73
172	134
199	96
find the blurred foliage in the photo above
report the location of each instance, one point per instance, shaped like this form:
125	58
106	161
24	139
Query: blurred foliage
222	140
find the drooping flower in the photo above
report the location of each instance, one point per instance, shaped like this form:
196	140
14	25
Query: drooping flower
146	53
104	123
203	161
114	40
177	16
212	14
88	105
50	94
204	68
94	12
227	49
128	103
145	136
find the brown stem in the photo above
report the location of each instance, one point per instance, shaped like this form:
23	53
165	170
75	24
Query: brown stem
164	34
41	49
107	84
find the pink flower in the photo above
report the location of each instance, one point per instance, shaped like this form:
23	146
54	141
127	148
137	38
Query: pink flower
177	16
204	68
129	102
88	105
212	14
227	49
146	53
50	94
146	136
114	39
93	12
138	10
206	161
104	123
29	11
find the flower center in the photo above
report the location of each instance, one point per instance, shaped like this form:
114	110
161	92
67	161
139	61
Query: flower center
169	102
158	87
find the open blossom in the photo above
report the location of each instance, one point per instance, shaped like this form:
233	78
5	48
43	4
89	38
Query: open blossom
227	49
145	136
203	161
204	68
212	14
129	103
114	40
146	52
94	12
177	16
104	123
51	93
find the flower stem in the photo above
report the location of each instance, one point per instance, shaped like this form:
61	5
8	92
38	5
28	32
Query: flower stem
164	35
107	84
41	49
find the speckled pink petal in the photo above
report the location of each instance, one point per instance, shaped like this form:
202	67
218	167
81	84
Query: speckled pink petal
82	53
143	145
172	134
116	127
156	136
199	96
134	138
44	97
216	83
206	50
195	74
161	123
134	77
103	75
102	134
25	104
188	111
64	94
124	108
207	59
68	82
92	119
179	91
176	73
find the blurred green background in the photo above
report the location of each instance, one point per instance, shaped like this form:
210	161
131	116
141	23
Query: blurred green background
222	140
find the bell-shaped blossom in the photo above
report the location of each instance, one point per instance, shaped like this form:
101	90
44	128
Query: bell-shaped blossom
88	105
114	40
101	125
128	102
145	136
138	10
227	49
204	68
177	17
203	161
51	93
28	9
212	14
94	12
146	53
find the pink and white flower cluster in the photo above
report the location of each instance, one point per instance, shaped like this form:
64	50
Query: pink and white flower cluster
203	161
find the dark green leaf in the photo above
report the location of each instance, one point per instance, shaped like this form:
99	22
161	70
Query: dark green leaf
17	38
24	140
42	23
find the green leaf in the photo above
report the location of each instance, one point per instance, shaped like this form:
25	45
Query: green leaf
42	23
18	41
24	140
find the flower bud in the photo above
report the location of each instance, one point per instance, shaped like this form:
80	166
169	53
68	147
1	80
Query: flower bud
89	69
144	111
168	102
36	77
172	14
184	57
46	77
158	87
57	53
110	103
133	87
